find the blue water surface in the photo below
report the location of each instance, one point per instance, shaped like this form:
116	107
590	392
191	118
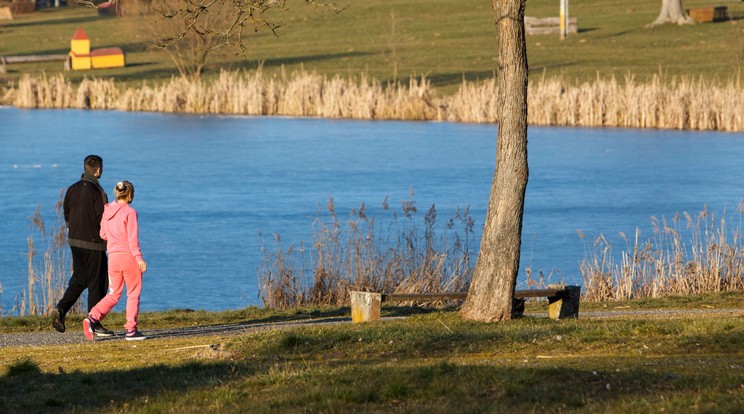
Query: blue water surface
207	187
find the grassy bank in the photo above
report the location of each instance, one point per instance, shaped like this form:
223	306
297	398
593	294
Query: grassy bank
387	40
431	362
405	60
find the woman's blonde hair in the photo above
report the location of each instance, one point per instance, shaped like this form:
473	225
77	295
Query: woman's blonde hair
124	190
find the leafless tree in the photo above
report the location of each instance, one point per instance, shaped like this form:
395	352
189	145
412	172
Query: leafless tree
492	287
672	12
192	30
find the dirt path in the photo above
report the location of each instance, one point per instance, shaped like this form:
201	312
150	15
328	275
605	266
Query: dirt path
75	335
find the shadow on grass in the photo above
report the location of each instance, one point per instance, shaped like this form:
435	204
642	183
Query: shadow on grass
621	33
138	72
293	60
33	391
446	387
52	22
45	52
134	72
133	47
447	79
536	71
433	384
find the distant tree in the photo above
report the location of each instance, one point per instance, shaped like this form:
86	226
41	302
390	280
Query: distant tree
494	279
672	12
190	31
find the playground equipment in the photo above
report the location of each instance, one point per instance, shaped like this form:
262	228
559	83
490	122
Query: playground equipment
82	58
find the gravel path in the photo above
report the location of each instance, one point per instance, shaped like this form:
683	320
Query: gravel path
74	335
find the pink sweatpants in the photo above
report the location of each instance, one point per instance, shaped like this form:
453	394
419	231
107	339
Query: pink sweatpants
122	268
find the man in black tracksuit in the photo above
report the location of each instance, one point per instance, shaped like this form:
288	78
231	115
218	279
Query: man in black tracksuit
83	208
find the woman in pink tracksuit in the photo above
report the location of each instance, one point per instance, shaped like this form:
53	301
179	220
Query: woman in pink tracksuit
125	264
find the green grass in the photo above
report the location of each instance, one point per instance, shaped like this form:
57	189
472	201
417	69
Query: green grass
189	317
444	40
433	362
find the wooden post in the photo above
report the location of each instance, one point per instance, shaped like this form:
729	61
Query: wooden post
564	19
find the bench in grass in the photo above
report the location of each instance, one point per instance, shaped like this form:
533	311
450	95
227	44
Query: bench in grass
563	301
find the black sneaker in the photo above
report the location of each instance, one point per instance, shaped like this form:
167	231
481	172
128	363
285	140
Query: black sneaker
58	319
100	330
135	335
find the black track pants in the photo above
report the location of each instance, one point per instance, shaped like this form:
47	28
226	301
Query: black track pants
89	270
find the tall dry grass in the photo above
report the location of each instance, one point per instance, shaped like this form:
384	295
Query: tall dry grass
246	93
661	102
685	256
711	260
676	103
48	265
406	254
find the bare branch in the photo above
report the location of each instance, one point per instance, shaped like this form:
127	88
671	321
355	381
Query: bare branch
332	6
190	30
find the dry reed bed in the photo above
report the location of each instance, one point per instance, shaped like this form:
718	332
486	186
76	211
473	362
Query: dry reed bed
689	256
709	258
48	266
402	254
677	103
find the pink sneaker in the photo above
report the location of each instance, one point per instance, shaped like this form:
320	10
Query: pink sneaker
88	329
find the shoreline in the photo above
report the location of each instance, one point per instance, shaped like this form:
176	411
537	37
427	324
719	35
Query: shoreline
663	104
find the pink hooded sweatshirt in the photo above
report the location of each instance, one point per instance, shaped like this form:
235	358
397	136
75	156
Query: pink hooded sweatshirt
120	230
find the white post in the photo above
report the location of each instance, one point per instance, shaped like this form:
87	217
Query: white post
564	19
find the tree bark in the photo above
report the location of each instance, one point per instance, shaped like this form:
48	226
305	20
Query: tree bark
672	12
492	287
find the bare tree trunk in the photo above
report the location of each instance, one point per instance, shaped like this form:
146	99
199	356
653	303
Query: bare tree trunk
672	12
492	287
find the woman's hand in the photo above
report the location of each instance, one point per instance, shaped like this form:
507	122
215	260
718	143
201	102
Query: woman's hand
142	266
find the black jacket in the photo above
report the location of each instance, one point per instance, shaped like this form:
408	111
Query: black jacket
83	208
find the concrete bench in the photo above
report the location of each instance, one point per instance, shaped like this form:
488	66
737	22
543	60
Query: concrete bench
548	25
563	301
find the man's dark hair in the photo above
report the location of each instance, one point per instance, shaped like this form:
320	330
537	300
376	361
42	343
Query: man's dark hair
92	163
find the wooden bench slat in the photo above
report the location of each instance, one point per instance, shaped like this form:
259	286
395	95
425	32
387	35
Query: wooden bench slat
538	293
527	293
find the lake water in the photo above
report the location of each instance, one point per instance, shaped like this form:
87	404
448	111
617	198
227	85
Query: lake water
207	186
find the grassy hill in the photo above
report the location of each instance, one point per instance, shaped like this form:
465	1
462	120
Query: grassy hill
442	39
